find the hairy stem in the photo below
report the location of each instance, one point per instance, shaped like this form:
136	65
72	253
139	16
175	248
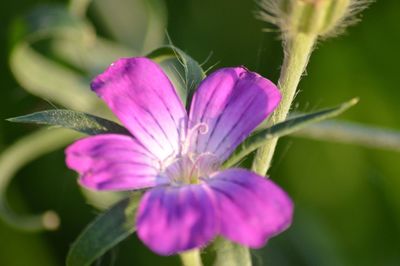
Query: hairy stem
191	258
298	49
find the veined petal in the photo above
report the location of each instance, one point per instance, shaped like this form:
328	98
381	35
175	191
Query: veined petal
113	162
232	102
143	98
252	209
175	219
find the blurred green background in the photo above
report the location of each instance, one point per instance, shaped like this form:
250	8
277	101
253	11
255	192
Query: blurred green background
347	197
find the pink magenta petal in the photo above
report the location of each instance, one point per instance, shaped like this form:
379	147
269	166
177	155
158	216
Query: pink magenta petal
232	102
175	219
113	162
252	209
143	98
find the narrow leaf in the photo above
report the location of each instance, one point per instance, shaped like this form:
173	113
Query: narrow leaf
107	230
193	74
353	133
284	128
81	122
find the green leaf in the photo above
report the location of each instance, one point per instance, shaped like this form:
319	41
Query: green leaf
15	157
354	134
37	53
192	73
104	232
49	20
72	39
230	254
92	55
284	128
81	122
139	24
50	80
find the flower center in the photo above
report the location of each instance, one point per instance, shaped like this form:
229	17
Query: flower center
188	167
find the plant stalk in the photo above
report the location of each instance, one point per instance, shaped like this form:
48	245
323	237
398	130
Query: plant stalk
191	258
298	49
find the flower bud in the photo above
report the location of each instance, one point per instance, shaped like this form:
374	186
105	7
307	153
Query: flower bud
317	17
337	14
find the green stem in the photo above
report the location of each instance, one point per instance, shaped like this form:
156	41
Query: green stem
191	258
298	49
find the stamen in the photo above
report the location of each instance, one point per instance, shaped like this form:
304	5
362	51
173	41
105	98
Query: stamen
182	134
192	169
200	128
185	166
209	157
167	161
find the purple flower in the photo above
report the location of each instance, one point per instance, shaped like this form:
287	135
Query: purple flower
178	156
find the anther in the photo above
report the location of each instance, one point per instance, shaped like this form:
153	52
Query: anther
202	128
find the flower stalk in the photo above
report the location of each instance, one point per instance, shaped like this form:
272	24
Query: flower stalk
298	49
191	258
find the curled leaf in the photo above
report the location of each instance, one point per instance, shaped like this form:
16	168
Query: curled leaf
64	86
139	24
14	158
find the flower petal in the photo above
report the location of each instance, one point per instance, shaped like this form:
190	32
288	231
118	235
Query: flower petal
113	162
252	208
175	219
232	102
143	98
